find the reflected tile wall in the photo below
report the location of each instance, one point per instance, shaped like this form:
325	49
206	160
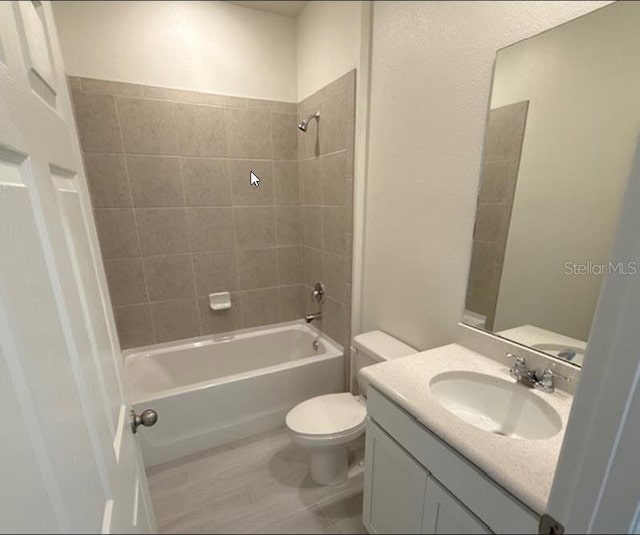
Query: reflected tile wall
169	177
502	151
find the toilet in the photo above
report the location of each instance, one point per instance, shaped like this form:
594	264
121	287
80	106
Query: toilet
326	425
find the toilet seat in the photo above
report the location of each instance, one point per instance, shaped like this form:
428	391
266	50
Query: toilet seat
331	418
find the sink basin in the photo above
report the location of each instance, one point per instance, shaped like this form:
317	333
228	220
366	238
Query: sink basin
495	405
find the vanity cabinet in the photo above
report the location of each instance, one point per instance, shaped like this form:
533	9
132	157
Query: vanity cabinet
415	483
402	497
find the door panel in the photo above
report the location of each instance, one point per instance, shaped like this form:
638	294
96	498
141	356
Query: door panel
75	463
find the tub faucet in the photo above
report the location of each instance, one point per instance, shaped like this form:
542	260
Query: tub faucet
313	317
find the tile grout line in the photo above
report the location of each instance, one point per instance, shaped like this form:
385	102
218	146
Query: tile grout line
135	218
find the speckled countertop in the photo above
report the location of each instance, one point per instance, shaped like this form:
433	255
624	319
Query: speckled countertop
523	467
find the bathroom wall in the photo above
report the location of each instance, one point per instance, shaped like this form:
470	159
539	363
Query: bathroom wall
213	47
501	160
326	156
328	43
177	219
561	184
430	85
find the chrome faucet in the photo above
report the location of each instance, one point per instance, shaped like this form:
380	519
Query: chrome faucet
313	317
541	380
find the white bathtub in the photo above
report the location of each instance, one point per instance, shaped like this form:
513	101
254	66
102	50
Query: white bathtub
216	389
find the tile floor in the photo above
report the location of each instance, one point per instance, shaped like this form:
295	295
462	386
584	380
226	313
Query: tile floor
257	485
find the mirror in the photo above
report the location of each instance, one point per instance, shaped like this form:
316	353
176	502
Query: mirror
563	124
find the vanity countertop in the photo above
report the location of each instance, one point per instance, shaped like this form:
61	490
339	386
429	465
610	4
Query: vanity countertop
523	467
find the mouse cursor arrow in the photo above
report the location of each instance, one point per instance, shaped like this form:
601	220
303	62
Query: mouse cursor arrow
254	180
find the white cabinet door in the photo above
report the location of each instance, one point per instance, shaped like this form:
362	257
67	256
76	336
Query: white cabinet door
68	460
444	514
394	486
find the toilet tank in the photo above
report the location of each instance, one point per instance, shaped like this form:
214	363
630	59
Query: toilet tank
371	348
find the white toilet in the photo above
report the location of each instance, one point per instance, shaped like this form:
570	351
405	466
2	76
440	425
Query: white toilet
327	424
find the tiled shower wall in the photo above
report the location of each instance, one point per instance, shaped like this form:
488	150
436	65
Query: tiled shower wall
505	134
326	174
177	219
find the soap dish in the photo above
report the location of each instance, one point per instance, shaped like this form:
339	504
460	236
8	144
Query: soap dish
220	301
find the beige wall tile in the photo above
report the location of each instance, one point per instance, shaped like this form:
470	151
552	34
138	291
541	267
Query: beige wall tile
155	181
333	276
312	226
117	233
260	307
290	265
491	222
498	181
219	321
243	192
169	277
111	88
223	100
126	281
333	179
176	319
215	272
201	130
257	268
505	132
312	266
333	229
134	326
333	127
248	133
148	126
206	182
336	321
166	93
291	303
348	206
210	229
484	259
97	122
284	136
108	180
254	226
162	230
311	181
350	154
348	256
286	183
74	83
288	230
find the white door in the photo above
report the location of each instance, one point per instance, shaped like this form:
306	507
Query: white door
394	486
70	462
596	488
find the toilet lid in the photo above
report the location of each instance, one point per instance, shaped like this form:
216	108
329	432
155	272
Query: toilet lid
326	415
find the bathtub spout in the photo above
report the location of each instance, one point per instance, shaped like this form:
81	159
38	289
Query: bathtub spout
313	317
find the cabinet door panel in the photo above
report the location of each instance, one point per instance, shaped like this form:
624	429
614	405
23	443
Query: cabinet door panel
443	513
395	486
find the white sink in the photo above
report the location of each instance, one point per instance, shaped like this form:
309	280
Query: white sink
495	405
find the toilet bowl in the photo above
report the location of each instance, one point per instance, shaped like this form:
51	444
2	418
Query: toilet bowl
327	425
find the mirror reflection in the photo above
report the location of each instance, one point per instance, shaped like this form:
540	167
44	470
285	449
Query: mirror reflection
562	128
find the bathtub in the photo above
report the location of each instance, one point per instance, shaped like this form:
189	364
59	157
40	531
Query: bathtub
212	390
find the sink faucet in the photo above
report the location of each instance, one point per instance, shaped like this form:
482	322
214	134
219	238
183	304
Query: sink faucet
542	380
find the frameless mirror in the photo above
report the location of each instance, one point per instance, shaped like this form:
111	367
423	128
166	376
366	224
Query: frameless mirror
563	123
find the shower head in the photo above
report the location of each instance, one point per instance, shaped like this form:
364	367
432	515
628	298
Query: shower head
303	125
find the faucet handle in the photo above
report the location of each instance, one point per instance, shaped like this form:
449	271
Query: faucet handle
519	360
546	380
